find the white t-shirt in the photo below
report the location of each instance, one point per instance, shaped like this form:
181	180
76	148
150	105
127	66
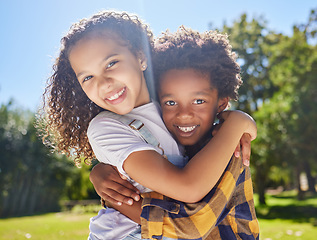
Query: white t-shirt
112	142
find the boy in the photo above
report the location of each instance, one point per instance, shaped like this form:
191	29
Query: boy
196	76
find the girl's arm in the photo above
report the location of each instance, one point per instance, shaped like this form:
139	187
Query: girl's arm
197	178
112	187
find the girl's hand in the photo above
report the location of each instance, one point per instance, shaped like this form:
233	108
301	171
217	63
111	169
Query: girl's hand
112	186
241	116
243	148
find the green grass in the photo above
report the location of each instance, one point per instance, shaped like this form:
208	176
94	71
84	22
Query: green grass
70	226
284	217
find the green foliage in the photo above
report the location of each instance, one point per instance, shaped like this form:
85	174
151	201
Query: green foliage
78	186
32	178
250	40
280	92
292	109
92	209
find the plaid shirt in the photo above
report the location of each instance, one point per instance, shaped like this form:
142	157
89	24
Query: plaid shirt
226	212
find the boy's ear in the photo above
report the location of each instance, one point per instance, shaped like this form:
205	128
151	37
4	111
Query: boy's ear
222	104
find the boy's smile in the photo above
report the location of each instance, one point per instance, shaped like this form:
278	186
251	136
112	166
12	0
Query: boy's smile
185	131
189	104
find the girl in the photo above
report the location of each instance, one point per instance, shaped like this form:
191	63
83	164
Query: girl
101	66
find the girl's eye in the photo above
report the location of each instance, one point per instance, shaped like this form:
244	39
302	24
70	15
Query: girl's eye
111	64
170	103
87	78
199	101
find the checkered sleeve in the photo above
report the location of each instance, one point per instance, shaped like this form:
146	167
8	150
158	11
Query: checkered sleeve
241	221
162	216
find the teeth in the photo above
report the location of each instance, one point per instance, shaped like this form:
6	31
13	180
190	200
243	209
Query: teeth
117	95
186	129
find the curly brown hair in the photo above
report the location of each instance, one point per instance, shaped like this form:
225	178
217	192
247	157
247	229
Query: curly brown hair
209	53
66	110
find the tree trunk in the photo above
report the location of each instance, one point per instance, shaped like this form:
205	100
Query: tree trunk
300	193
260	184
25	206
310	179
12	201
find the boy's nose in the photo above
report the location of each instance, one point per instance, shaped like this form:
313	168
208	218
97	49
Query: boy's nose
184	113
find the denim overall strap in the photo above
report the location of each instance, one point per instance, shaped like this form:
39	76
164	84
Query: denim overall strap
138	126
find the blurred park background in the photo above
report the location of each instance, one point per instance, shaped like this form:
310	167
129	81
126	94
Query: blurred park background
44	196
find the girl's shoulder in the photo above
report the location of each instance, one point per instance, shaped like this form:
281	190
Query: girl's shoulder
104	122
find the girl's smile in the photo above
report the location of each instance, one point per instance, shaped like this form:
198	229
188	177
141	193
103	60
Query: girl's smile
118	97
110	75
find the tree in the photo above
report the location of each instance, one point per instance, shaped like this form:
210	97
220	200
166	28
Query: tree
251	41
33	179
295	63
279	91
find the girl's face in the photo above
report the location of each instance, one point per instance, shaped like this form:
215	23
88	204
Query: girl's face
189	104
110	75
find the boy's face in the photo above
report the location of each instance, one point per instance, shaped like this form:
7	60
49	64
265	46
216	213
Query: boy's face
189	104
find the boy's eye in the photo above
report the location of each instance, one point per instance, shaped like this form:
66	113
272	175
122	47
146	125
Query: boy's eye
170	103
199	101
111	64
87	78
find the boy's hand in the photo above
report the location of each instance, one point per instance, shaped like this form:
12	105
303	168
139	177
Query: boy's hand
112	186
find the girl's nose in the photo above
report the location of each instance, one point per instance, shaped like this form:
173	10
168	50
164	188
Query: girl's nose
104	83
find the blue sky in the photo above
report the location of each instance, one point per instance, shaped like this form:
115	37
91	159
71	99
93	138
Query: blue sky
31	30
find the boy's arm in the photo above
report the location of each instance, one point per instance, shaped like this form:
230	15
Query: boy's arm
133	212
115	190
111	186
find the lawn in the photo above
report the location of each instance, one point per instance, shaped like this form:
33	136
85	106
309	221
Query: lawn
284	217
70	226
